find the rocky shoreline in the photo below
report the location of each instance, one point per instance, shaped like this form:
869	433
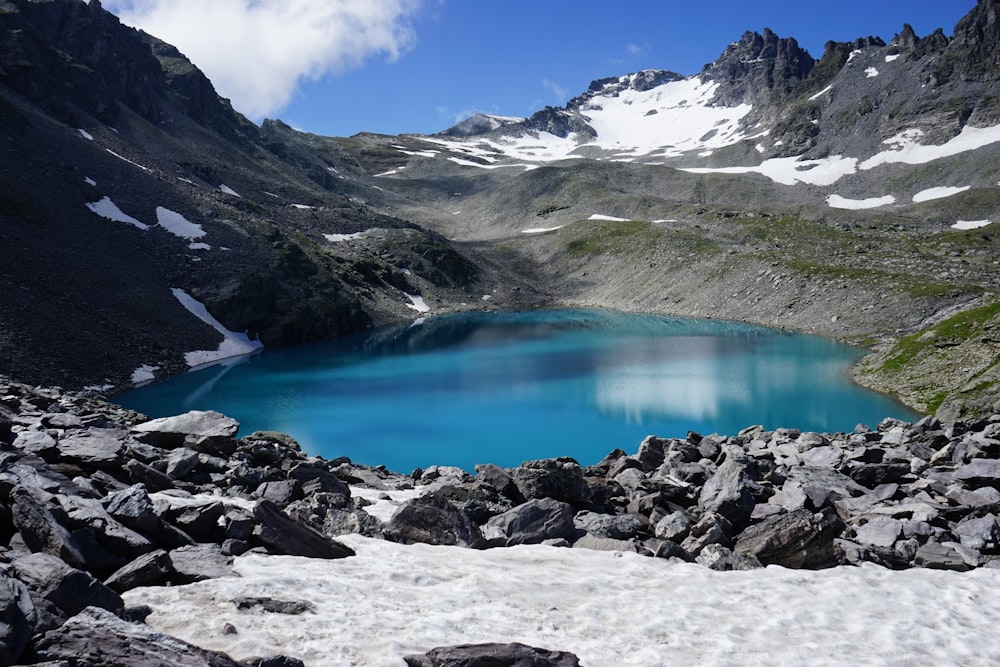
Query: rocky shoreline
96	500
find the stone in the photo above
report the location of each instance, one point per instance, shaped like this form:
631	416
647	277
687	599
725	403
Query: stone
279	533
200	520
723	559
39	443
280	492
879	531
711	528
981	534
95	448
40	530
532	522
274	606
98	638
198	562
727	493
17	619
134	508
561	479
204	430
617	526
599	543
273	661
986	471
674	527
799	539
181	462
940	557
492	655
67	589
152	569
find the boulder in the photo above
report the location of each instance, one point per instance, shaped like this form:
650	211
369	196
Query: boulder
981	534
98	638
280	534
40	530
983	471
17	619
198	562
599	543
727	492
799	539
492	655
673	527
203	430
152	569
134	508
430	519
561	479
93	448
532	522
723	559
500	480
940	557
614	526
880	531
67	590
711	528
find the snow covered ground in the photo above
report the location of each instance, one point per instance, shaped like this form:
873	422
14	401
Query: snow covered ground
234	344
609	608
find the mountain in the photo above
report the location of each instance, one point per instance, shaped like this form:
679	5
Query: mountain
145	224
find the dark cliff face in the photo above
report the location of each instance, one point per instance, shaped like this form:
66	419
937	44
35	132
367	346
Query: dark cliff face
974	51
759	68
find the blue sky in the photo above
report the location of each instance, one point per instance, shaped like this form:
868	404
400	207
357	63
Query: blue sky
338	67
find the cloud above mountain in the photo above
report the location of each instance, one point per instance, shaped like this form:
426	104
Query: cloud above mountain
256	52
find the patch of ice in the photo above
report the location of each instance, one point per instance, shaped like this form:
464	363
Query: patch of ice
418	304
337	238
871	72
234	344
98	388
229	191
121	157
821	93
891	58
853	54
144	373
836	201
390	172
89	181
938	193
187	180
302	207
905	149
86	135
608	218
792	170
107	209
177	224
540	230
199	246
971	224
392	600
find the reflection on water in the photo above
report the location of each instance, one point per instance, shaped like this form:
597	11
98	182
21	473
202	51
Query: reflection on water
504	388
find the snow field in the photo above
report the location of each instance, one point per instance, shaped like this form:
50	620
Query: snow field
609	608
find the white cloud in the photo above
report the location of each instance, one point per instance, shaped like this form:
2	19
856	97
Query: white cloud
561	92
257	51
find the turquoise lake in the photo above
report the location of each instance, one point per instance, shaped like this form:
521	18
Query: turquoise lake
508	387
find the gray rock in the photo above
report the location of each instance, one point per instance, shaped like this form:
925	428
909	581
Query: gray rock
191	428
280	492
67	589
880	531
200	520
940	557
723	559
280	534
181	462
799	539
981	534
96	448
17	619
600	543
274	606
134	508
492	655
614	526
152	569
39	443
561	479
98	638
711	528
198	562
40	530
532	522
500	480
986	471
674	527
728	493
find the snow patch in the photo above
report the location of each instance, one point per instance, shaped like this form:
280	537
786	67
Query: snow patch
821	93
938	193
234	344
229	191
891	58
122	157
177	224
107	209
89	181
871	72
792	170
836	201
418	304
392	600
971	224
199	246
144	373
86	135
905	149
608	218
302	207
540	230
337	238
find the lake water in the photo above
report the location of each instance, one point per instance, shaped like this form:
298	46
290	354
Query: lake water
508	387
